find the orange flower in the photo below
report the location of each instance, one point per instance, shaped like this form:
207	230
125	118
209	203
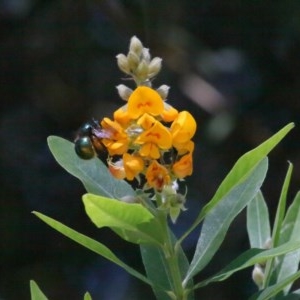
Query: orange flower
144	100
183	128
117	140
146	121
157	176
153	139
116	169
121	115
183	148
133	165
169	113
183	167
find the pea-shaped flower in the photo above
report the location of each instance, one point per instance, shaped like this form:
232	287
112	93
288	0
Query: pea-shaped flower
144	100
183	129
152	140
117	141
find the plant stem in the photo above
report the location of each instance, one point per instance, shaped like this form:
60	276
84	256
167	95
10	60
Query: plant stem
172	261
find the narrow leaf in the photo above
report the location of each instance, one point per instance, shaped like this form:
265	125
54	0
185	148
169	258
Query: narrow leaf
36	293
273	290
258	223
289	263
281	207
217	222
92	173
90	244
278	224
249	258
132	221
293	296
239	172
87	296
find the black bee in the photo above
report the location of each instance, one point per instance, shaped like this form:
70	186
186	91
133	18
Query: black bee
88	141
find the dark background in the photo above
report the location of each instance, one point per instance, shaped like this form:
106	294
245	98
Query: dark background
234	64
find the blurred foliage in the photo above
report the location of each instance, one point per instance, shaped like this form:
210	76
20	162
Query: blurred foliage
233	64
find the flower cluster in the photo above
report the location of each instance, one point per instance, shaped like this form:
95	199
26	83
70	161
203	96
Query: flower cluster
148	140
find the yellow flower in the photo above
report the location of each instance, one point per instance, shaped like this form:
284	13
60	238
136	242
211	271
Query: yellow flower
155	138
157	176
183	167
144	100
169	113
183	148
133	165
117	141
146	121
121	115
183	128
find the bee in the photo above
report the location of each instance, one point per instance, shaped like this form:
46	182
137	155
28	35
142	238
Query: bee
88	140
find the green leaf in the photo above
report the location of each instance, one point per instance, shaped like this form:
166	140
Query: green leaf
281	207
273	290
240	171
289	263
132	221
217	222
258	222
269	270
157	270
249	258
91	244
87	296
295	295
36	293
92	173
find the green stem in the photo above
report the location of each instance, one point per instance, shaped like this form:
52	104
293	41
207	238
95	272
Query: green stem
172	261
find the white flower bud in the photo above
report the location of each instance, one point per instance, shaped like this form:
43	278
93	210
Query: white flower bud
155	66
268	244
258	276
124	91
129	199
123	63
142	71
133	61
136	46
163	91
146	55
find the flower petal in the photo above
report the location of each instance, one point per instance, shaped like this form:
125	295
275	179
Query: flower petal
157	176
133	165
157	134
183	128
183	167
144	100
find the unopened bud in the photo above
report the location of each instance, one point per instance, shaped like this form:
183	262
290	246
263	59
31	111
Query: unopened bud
129	199
133	61
124	91
163	91
123	63
142	71
258	276
146	55
136	46
155	66
268	244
